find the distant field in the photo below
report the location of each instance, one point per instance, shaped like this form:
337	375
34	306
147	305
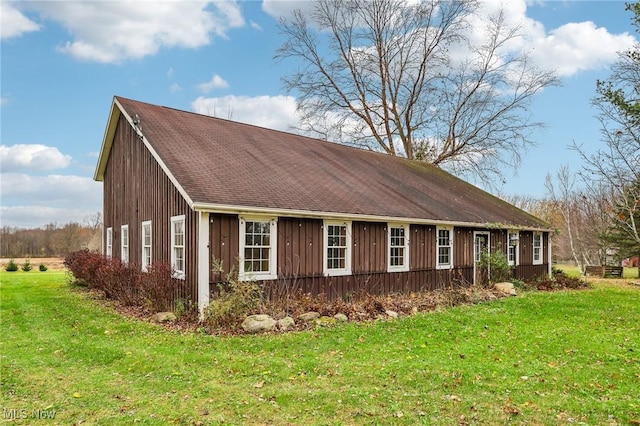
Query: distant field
574	271
56	263
570	357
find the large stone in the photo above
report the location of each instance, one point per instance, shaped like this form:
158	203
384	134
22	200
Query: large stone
309	316
340	317
164	317
391	314
285	323
258	323
505	288
325	321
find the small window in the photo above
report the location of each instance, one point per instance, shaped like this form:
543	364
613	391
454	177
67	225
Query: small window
258	248
124	243
109	242
513	238
398	253
537	248
337	253
177	246
444	248
146	245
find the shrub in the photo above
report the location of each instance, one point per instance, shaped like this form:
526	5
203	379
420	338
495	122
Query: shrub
12	266
42	267
159	290
26	266
83	265
118	281
235	300
497	264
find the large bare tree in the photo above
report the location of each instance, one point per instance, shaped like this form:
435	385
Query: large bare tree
617	164
405	78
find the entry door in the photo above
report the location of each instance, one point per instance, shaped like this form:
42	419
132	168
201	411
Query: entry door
480	245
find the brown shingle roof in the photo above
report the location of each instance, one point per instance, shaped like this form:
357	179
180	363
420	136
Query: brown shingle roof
221	162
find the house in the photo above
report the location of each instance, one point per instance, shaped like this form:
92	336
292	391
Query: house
196	191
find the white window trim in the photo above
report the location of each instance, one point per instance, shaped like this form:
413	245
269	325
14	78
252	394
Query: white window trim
325	248
538	261
444	265
516	261
404	267
124	229
108	249
180	274
272	274
142	262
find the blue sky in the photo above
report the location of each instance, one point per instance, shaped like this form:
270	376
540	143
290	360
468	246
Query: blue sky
63	61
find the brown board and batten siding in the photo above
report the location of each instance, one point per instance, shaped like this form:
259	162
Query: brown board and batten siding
136	189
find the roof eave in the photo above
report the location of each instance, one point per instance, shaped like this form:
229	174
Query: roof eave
107	140
252	210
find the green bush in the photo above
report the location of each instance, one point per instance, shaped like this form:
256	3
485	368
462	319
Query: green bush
26	266
235	300
498	265
12	266
42	267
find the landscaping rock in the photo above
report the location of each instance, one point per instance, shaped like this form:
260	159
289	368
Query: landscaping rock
505	288
258	324
164	317
340	317
325	321
309	316
391	314
285	323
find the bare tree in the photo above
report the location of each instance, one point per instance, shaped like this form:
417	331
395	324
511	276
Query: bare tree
392	76
617	164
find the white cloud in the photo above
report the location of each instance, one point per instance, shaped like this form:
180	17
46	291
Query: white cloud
273	112
175	87
579	46
51	190
216	82
13	23
37	216
113	31
35	157
3	100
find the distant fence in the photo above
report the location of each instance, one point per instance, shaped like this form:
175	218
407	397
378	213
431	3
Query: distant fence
605	271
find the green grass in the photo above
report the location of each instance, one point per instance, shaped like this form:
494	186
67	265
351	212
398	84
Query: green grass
574	271
539	358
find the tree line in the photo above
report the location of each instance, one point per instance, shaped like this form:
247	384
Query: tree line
51	240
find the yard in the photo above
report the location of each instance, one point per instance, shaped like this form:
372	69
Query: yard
539	358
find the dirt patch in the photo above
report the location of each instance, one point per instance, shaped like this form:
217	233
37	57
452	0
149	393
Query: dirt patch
52	263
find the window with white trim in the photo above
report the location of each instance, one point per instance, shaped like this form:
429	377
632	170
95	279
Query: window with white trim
146	245
109	242
124	243
537	248
444	248
258	249
337	248
177	246
398	244
513	256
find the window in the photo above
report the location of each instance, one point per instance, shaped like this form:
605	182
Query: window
124	243
337	253
444	248
398	254
258	248
512	247
146	245
537	248
177	246
109	242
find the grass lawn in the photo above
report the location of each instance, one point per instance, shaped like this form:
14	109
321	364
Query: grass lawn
539	358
